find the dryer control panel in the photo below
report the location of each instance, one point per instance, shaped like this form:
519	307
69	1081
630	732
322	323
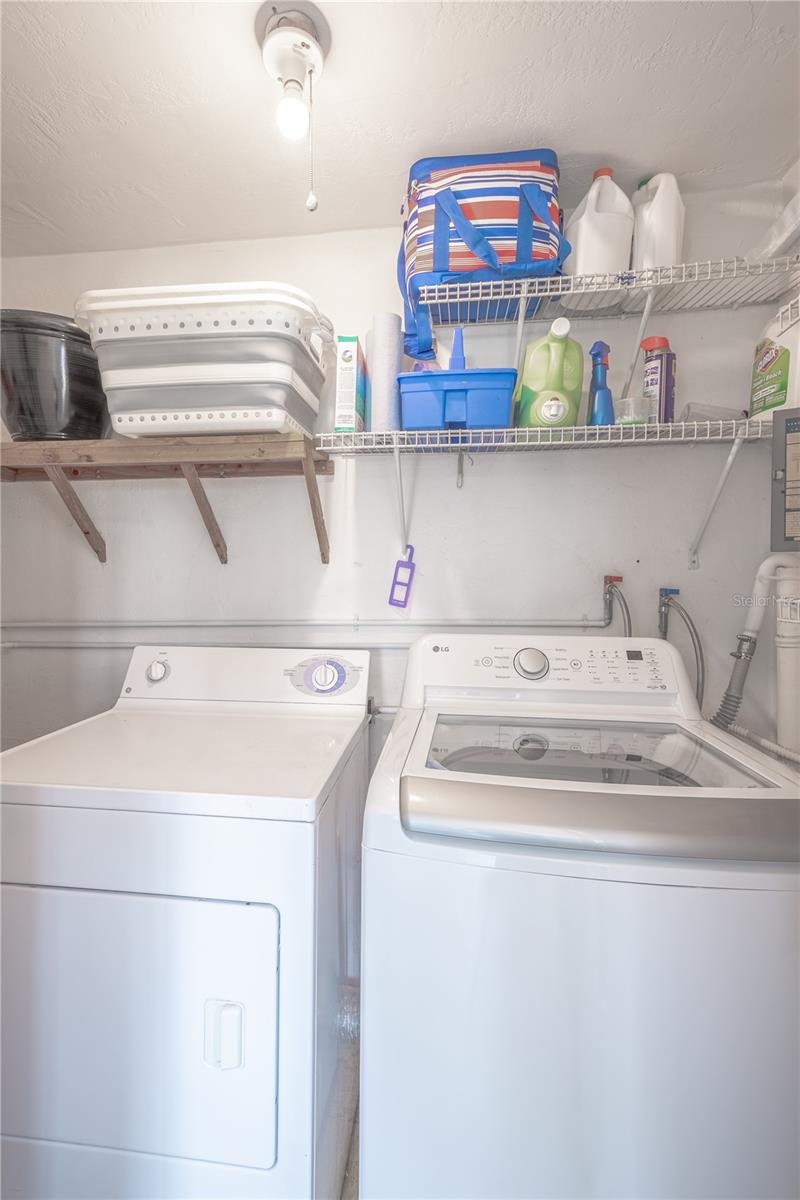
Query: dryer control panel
247	675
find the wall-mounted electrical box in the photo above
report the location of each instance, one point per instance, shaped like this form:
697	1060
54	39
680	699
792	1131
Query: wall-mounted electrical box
785	529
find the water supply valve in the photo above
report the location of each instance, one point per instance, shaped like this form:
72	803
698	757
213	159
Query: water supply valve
664	594
612	590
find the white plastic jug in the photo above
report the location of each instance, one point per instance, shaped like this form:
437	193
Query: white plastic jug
600	229
659	218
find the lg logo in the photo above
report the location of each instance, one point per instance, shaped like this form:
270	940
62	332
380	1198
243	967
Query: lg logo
441	649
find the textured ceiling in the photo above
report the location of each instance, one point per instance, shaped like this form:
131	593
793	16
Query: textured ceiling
144	124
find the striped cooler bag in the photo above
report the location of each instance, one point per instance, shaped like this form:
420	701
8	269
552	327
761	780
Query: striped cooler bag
473	218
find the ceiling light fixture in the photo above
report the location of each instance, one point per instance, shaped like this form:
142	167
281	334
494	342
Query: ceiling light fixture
292	54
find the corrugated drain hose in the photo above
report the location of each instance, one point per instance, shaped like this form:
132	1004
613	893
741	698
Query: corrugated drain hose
731	700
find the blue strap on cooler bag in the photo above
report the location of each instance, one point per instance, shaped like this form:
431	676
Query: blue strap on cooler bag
533	203
447	212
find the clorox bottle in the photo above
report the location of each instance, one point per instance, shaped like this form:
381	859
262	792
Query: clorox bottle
776	368
548	391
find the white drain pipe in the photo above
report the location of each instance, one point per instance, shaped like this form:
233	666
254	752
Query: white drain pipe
783	569
787	654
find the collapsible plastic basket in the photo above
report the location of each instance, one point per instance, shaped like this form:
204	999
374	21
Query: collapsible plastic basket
208	358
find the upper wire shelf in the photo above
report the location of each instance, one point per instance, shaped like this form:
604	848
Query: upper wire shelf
722	283
570	437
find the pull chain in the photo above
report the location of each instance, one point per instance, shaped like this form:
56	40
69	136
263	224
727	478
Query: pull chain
311	199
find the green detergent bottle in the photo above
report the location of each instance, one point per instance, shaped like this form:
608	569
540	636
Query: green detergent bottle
548	391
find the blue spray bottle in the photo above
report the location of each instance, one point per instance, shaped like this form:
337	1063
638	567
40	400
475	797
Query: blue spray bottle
601	405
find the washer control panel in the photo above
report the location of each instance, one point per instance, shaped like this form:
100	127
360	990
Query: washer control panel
595	665
633	670
592	665
324	676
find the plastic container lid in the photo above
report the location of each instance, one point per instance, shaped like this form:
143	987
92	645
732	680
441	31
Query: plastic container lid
250	291
560	327
30	321
655	343
602	171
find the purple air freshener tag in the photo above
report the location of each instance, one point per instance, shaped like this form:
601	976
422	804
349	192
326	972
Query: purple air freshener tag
402	579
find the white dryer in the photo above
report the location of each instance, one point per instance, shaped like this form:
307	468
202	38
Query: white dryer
180	933
580	943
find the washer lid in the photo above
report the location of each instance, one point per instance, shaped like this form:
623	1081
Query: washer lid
273	762
627	753
637	787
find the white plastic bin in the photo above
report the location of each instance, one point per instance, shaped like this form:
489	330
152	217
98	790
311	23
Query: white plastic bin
208	358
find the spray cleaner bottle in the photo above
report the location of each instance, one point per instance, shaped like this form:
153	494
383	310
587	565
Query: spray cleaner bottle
600	410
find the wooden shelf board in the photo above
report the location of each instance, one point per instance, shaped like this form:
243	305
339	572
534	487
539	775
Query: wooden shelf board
239	451
231	470
188	459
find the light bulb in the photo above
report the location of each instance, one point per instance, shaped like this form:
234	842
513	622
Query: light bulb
311	202
292	112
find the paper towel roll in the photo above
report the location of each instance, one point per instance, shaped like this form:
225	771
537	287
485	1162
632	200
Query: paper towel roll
384	362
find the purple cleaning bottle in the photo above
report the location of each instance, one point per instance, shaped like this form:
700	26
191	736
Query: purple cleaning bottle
659	380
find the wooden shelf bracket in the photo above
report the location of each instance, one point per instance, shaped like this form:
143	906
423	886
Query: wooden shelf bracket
310	474
228	456
76	510
189	472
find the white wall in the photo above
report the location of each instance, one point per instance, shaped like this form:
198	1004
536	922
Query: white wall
529	535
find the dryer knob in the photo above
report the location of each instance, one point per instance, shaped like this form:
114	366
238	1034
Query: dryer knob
325	677
157	670
531	663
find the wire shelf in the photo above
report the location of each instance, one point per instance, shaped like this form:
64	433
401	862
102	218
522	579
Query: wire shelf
572	437
724	283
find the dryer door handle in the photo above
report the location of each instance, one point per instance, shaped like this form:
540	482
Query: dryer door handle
224	1034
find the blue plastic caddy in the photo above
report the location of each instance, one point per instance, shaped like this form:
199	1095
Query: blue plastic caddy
467	399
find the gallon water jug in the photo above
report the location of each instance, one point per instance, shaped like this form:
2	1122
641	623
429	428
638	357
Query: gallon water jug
548	392
600	229
659	218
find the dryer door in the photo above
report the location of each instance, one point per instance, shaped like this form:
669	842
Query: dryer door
143	1023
